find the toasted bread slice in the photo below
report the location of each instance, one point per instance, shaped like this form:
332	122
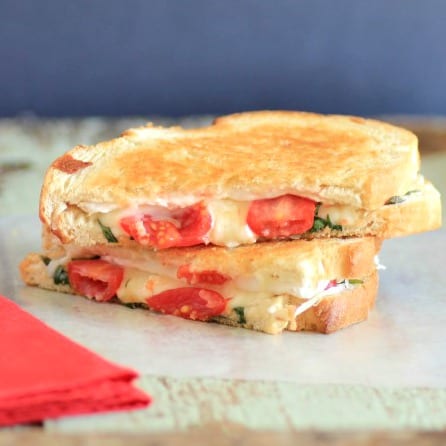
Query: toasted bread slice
263	286
340	161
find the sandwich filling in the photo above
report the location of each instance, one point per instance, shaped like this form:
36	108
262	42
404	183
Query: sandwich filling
229	223
196	295
222	222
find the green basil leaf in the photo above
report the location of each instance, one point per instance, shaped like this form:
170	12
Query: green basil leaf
355	281
46	260
394	200
399	199
108	234
333	226
60	276
241	314
134	305
318	224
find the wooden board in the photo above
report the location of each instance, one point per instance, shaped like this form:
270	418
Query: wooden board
242	437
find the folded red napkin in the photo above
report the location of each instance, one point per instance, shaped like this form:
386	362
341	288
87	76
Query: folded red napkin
45	375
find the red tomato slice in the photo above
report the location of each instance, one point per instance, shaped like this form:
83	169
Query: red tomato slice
148	232
189	303
282	216
96	279
331	284
194	222
207	276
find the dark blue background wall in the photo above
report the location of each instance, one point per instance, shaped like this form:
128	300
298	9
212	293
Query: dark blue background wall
176	57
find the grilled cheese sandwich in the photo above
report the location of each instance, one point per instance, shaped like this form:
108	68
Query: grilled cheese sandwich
265	220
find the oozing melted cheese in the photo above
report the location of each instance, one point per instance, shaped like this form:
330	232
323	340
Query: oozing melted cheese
229	226
346	216
229	220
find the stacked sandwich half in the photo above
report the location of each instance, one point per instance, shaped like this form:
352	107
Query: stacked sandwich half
265	220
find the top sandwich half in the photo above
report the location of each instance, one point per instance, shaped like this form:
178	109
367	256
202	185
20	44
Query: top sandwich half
248	177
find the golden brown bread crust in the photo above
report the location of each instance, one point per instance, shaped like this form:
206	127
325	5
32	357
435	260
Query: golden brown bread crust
335	159
328	315
336	312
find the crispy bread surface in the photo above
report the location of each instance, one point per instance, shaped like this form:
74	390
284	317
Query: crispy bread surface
334	159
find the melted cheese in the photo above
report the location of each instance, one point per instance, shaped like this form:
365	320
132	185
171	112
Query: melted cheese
317	297
378	264
137	285
229	227
263	310
346	216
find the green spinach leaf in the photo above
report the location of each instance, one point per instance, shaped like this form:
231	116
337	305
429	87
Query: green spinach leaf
108	234
241	314
60	276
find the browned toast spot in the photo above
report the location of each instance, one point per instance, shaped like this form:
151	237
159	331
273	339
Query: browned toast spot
68	164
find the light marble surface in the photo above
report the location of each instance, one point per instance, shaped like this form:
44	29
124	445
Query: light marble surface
194	400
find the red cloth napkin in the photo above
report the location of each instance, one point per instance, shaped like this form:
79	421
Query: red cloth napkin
45	375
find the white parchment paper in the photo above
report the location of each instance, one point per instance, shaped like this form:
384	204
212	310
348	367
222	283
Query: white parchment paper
402	344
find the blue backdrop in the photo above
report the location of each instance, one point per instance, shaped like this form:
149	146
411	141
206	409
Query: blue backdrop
177	57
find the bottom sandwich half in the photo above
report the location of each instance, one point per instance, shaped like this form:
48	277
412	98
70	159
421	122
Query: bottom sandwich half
318	285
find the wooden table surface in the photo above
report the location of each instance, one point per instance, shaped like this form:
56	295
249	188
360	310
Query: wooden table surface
202	411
